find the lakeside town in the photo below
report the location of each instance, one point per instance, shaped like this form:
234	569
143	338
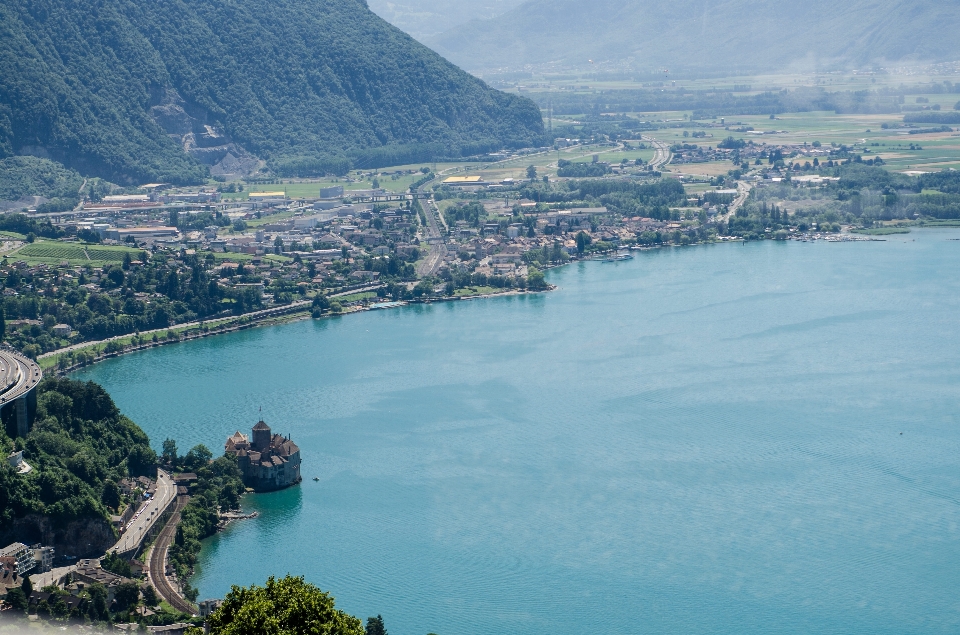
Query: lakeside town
155	263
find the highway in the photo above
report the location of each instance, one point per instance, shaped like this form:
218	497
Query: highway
743	193
18	376
158	561
663	154
147	515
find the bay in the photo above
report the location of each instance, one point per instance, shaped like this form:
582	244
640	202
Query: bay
757	438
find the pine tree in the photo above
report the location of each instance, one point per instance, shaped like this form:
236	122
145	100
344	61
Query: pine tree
26	586
375	626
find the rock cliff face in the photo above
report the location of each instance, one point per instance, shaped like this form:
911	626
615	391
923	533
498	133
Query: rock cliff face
208	144
87	537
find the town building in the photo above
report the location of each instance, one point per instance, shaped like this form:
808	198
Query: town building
43	558
269	462
209	607
17	557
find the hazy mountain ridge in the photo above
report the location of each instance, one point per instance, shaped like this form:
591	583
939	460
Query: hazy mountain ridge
708	35
428	18
123	89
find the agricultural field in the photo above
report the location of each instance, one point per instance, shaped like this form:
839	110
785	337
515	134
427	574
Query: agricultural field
50	252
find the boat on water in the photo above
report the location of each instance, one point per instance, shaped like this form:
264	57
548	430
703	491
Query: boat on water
316	478
619	258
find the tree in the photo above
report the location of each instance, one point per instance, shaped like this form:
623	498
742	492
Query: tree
98	602
150	597
26	586
142	461
115	564
174	218
423	288
111	494
375	626
17	600
582	241
3	324
127	595
173	285
288	606
532	172
535	279
169	453
321	304
197	457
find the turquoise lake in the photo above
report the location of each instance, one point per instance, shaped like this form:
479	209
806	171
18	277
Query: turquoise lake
731	439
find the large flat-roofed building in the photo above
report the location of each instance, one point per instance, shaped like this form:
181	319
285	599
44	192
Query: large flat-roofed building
269	462
465	181
335	191
141	232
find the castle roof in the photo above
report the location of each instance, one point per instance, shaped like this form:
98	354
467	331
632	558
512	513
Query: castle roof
261	426
284	447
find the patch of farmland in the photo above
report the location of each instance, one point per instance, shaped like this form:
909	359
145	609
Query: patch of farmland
105	255
52	252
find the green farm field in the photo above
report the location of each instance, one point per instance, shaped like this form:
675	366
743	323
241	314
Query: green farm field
50	252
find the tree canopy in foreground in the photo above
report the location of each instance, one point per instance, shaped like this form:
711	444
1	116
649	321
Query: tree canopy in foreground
285	606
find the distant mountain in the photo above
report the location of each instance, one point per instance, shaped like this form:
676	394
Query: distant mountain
708	35
426	18
163	90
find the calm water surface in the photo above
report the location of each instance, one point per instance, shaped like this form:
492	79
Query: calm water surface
701	440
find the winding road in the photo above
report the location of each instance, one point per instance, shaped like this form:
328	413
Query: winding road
158	561
147	515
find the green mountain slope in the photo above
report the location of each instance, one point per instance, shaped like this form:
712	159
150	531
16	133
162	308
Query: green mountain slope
139	91
708	35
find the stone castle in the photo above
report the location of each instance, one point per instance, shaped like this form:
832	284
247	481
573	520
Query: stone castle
269	462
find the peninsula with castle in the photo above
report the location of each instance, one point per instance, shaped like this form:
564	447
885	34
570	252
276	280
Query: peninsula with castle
268	461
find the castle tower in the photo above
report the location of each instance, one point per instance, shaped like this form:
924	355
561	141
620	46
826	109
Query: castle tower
261	436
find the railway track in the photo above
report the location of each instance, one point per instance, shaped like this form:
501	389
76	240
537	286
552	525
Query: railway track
158	561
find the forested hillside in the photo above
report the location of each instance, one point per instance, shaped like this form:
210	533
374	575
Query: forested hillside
708	36
162	91
80	448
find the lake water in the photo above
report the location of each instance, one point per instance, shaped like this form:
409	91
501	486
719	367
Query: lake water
734	439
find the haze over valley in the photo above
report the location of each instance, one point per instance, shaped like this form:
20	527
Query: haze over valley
706	36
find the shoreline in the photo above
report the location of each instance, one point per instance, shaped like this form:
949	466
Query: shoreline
301	310
193	331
